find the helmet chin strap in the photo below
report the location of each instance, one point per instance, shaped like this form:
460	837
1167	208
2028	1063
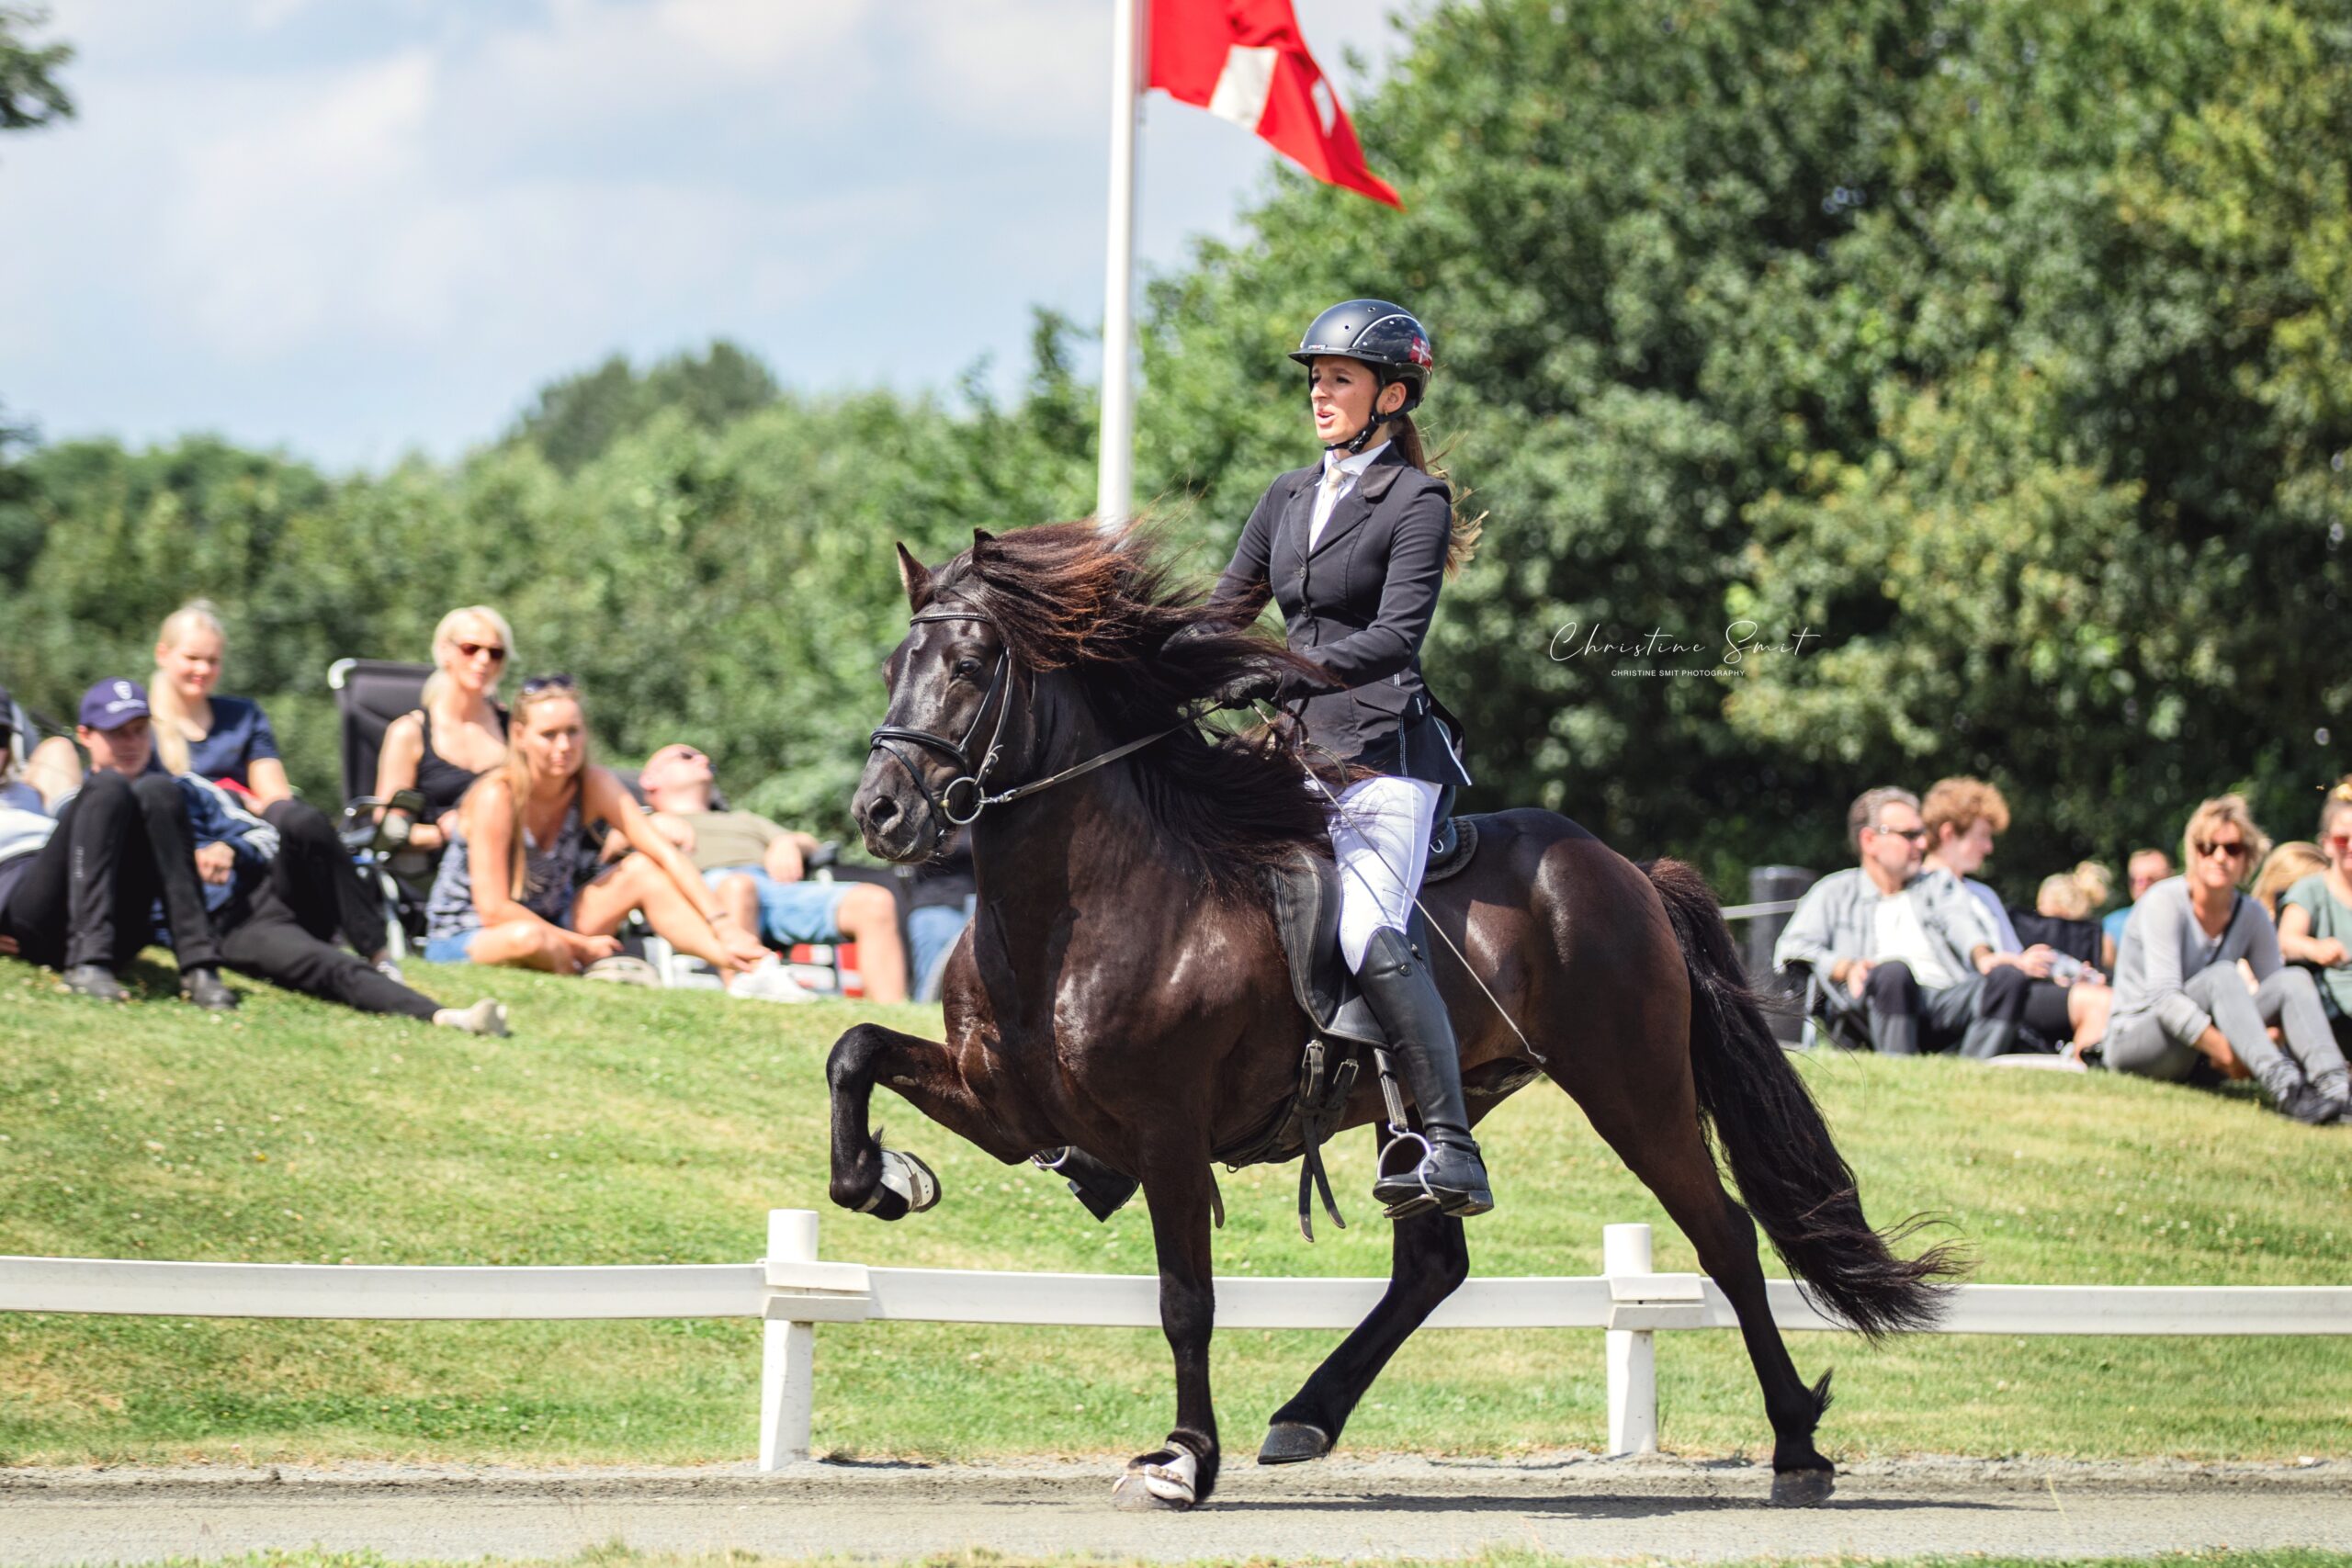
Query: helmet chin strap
1355	444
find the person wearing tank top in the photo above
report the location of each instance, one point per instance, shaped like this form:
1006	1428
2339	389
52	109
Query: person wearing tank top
459	731
514	888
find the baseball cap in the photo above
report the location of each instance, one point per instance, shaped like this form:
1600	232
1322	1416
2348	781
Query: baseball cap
110	704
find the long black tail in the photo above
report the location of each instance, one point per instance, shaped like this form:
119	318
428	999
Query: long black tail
1790	1175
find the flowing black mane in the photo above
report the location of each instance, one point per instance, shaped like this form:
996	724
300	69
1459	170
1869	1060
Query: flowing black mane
1103	603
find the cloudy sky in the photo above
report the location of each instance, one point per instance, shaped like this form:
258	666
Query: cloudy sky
353	228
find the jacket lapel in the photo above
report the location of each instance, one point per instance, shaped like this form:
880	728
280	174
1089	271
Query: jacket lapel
1357	504
1298	516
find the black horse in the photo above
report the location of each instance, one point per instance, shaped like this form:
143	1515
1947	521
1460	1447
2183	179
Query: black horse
1122	991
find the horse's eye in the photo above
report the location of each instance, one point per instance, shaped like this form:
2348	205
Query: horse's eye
967	667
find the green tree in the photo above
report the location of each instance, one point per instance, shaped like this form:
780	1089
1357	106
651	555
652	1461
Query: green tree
30	93
575	419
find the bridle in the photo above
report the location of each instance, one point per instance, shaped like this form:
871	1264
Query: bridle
973	781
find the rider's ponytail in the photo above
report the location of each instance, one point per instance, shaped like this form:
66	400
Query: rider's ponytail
1463	542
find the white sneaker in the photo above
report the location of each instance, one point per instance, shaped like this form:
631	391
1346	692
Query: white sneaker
770	982
485	1017
623	969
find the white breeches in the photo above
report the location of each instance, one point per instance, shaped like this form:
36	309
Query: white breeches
1380	837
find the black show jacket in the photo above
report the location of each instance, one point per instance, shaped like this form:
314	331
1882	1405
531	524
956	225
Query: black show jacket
1359	603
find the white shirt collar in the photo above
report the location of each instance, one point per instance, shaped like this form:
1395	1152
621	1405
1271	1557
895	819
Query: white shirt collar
1355	464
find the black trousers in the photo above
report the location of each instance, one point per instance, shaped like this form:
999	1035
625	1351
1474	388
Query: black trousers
316	879
269	939
120	845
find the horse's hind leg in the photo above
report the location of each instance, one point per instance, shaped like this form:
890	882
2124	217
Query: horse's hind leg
1427	1260
888	1183
1657	1134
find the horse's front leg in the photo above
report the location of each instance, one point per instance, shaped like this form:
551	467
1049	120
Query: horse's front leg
889	1183
1183	1471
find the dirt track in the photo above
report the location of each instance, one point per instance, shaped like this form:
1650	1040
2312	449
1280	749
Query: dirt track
1363	1507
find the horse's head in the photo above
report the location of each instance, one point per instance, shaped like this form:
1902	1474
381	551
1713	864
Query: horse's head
950	715
1040	656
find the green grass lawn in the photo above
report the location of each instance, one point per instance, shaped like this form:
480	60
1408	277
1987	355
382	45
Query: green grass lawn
622	1125
622	1557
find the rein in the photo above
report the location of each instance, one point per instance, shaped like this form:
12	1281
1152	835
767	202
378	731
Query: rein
974	780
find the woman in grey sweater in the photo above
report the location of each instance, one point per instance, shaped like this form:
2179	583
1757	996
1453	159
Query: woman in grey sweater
2178	995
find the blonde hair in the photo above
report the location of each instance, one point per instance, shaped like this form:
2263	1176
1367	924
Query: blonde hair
522	779
163	705
1962	803
2210	814
2338	801
1462	540
2073	895
2282	868
445	636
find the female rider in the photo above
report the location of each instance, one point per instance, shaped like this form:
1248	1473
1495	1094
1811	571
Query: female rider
1354	548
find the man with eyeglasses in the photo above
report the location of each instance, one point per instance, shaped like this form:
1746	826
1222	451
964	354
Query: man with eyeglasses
1903	960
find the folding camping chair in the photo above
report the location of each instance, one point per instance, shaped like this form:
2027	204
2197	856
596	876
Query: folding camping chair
368	694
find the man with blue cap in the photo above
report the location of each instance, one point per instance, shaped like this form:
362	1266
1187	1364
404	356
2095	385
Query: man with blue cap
121	844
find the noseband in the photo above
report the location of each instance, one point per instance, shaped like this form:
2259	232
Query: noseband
973	781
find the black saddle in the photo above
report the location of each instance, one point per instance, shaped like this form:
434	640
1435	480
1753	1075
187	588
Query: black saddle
1303	895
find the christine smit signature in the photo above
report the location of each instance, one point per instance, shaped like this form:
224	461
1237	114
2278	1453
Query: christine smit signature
1577	641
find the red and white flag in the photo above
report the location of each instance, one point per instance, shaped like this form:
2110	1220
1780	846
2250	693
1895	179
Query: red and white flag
1244	61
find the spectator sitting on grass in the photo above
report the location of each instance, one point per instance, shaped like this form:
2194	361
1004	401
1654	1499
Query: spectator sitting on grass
35	774
2063	1002
2142	871
229	740
755	866
516	887
2178	996
77	889
268	912
2316	914
1911	954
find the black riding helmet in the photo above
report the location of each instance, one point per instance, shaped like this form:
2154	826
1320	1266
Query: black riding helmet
1383	335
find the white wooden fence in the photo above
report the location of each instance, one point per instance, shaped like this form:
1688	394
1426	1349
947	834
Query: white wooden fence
793	1292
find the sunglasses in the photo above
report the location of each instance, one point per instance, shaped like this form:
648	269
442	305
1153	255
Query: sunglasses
2234	850
556	682
1917	835
2337	840
476	649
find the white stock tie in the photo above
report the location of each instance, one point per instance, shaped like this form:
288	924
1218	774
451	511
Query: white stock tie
1325	500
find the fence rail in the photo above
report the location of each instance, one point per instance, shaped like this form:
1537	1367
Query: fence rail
793	1292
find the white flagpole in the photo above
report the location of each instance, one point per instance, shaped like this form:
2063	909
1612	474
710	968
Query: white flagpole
1114	486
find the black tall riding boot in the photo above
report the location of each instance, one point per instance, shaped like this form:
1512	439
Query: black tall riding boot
1403	995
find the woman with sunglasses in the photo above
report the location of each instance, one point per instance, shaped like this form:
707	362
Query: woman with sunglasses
517	884
2179	999
459	730
2316	914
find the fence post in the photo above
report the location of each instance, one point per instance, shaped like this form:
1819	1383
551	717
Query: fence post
1632	1352
787	1393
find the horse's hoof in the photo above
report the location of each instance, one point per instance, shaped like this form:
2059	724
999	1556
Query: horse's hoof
1803	1488
1157	1483
907	1186
1289	1442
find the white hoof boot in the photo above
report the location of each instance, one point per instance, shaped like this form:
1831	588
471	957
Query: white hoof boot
908	1176
1157	1488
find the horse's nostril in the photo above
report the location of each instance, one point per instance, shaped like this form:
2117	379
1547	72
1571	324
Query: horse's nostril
882	813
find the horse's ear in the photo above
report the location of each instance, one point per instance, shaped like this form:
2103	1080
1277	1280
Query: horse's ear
916	576
982	537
